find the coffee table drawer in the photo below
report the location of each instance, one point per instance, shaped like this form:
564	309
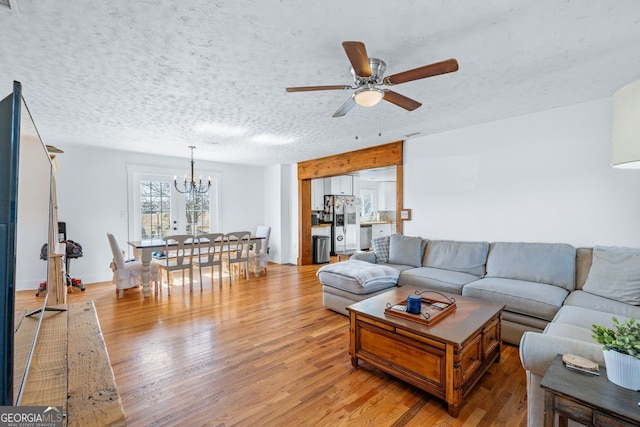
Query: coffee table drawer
491	336
471	358
412	358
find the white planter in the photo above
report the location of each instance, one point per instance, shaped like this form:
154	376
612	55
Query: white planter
622	369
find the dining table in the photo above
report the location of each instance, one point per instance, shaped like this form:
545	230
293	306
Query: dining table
146	248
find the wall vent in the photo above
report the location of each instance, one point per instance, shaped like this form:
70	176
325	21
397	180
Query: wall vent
409	135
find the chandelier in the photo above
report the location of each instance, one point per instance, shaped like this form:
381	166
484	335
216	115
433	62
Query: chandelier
192	186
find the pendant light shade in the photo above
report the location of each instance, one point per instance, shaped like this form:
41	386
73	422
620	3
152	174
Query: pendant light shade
626	127
368	97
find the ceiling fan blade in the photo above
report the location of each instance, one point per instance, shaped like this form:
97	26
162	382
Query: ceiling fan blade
443	67
400	100
357	54
344	109
310	88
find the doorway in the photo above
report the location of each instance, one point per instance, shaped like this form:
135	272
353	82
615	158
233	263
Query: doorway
369	158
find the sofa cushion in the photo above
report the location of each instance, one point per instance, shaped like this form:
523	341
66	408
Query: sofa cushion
550	263
400	267
574	332
585	317
615	274
381	248
595	302
466	257
530	298
406	250
364	256
436	278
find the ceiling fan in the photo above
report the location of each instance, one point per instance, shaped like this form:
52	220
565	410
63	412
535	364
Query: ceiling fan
368	77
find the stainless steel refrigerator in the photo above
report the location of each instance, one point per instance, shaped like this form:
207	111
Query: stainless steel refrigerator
342	212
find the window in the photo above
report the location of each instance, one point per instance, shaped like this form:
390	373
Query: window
156	209
368	202
197	211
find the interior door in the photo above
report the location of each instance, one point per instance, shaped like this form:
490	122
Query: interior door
156	209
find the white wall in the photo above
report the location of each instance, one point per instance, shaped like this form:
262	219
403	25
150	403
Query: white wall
543	177
292	181
277	212
92	200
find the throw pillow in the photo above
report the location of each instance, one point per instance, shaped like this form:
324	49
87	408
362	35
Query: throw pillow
381	249
615	274
406	250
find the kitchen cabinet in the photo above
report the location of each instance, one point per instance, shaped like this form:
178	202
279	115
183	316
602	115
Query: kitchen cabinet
387	196
342	184
380	230
355	186
317	194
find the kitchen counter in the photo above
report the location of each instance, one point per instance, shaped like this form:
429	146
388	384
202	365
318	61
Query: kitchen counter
365	223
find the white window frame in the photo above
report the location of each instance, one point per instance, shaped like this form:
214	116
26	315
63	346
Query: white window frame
374	201
137	173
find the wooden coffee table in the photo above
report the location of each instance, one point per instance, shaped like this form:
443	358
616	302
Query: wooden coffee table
446	359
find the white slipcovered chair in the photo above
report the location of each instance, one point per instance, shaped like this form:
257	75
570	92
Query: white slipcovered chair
260	259
127	274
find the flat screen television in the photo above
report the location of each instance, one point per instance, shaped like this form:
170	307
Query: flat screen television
25	217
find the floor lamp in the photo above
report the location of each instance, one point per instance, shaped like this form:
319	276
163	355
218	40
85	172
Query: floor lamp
626	127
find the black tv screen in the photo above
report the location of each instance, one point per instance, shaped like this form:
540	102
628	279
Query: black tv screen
25	216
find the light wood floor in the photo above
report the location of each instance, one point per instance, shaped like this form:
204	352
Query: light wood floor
266	352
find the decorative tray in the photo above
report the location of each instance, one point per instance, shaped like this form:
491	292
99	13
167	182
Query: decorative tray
432	309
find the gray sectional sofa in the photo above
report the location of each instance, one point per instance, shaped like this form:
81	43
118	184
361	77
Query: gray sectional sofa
531	279
553	293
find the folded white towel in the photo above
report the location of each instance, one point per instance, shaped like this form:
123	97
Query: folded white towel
364	272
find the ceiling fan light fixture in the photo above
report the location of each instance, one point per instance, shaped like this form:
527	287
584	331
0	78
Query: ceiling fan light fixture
368	97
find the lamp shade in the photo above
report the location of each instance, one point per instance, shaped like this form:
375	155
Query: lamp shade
368	97
626	127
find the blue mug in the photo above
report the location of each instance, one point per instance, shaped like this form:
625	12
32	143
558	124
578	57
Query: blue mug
414	304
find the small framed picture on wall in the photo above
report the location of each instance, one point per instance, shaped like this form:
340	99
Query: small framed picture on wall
405	214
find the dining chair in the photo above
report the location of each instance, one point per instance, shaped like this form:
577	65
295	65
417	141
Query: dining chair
237	245
209	254
128	274
260	259
178	256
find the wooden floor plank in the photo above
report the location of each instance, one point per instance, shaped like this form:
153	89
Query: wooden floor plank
266	352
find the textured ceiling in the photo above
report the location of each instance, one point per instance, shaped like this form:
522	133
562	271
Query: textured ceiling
158	76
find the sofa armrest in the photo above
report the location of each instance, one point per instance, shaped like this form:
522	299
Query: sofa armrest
364	256
537	350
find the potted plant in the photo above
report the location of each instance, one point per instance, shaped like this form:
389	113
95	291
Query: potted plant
621	349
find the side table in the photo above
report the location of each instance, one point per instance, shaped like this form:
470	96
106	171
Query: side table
588	399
